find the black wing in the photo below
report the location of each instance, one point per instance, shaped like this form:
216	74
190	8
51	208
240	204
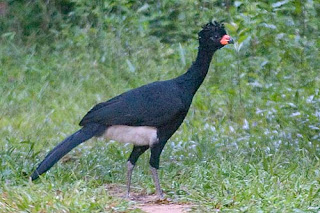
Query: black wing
150	105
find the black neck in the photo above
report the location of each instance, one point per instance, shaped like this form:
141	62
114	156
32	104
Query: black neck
195	75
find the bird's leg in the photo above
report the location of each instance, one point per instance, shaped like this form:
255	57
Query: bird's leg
129	175
156	181
134	156
154	163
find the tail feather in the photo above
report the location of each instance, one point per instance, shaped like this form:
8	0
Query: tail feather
66	146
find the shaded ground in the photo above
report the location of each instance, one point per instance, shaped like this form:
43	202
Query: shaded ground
149	203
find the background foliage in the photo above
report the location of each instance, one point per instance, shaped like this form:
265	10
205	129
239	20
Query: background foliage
249	143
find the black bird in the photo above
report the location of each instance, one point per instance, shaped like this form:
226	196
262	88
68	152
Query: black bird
146	116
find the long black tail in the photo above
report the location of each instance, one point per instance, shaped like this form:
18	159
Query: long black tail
66	146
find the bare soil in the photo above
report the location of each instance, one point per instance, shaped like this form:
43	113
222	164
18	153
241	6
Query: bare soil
148	203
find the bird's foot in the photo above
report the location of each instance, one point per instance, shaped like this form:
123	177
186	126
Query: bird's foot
160	195
127	196
163	200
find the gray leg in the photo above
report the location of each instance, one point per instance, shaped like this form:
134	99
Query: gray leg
129	174
155	177
154	163
135	154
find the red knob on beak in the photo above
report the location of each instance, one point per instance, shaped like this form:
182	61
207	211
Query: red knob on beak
226	39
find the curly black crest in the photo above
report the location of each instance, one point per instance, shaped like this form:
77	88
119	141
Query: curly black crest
211	35
213	26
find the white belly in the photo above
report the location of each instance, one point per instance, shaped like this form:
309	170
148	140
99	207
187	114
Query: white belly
137	135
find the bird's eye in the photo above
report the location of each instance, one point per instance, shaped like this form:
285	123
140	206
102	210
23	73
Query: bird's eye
216	36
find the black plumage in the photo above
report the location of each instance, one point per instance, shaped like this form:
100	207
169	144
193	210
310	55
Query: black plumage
161	105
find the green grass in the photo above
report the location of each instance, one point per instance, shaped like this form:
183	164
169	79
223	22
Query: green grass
250	142
254	155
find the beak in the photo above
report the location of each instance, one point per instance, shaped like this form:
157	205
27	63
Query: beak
226	39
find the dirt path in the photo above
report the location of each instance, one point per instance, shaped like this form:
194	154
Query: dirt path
149	203
172	208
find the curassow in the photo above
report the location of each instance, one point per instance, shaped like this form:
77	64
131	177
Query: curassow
146	116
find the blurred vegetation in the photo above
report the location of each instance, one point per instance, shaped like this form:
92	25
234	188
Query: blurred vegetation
249	143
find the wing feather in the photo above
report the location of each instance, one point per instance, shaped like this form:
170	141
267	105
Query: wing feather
150	105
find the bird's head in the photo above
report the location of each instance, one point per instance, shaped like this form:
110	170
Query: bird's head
213	36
